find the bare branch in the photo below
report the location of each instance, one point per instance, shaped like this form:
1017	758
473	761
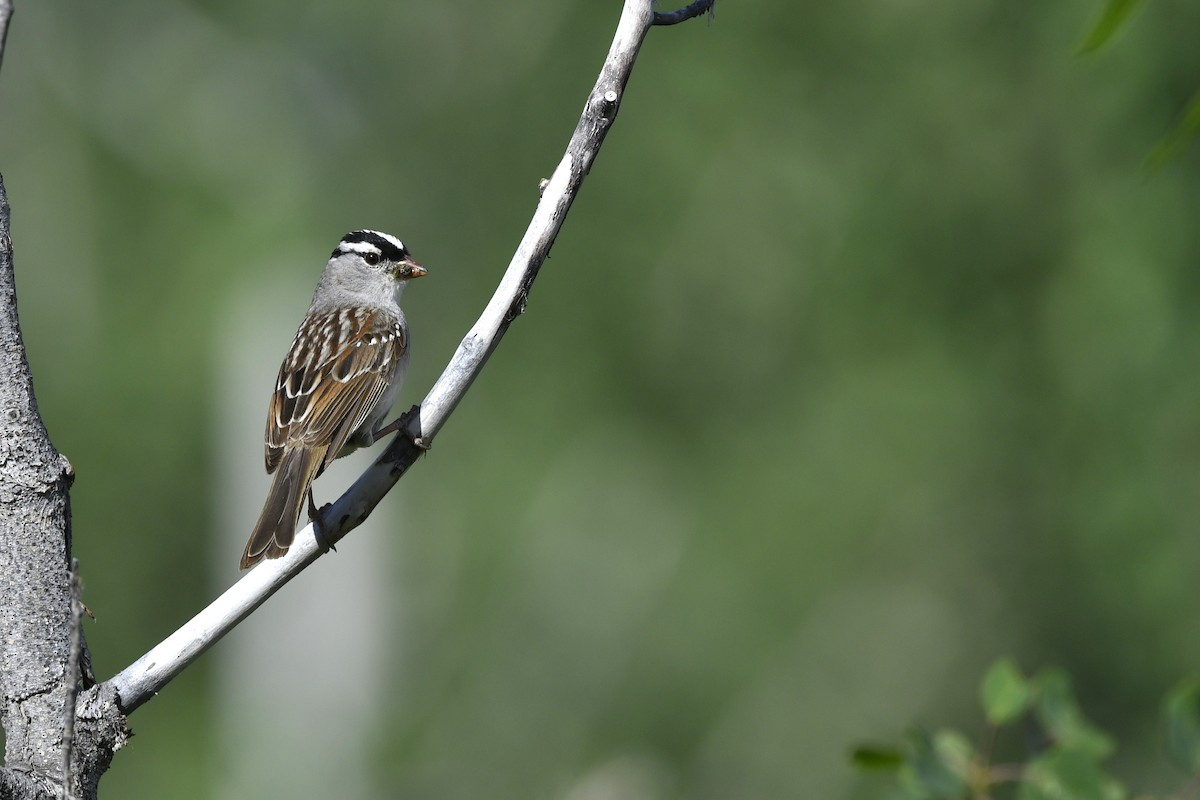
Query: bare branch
694	9
141	680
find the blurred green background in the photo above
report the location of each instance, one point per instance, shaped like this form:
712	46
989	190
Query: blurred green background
867	355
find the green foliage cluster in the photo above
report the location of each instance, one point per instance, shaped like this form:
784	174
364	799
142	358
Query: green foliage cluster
1064	753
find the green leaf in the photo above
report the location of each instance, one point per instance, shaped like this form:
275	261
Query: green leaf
1116	13
1182	717
955	751
1187	129
877	758
936	766
1059	714
1068	775
1005	693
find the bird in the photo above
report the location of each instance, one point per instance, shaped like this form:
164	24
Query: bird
338	380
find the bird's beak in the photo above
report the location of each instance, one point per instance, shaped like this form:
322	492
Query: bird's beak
409	270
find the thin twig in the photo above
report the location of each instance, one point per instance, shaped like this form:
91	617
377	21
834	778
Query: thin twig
142	679
694	9
72	680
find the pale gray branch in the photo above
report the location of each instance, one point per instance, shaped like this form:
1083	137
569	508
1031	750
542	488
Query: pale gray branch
141	680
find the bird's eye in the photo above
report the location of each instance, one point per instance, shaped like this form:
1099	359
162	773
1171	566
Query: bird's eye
371	258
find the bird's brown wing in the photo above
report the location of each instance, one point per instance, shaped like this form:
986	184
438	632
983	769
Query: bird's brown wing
337	368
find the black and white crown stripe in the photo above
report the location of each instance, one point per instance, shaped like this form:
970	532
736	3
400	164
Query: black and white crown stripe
364	242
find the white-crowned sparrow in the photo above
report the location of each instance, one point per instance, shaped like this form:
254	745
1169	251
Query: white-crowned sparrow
340	377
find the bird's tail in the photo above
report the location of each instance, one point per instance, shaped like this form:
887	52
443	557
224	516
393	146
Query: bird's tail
276	525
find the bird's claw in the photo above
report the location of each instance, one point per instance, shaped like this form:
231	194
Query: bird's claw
401	425
419	442
317	518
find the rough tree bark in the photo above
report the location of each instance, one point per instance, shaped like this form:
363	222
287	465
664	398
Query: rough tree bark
35	585
35	535
35	532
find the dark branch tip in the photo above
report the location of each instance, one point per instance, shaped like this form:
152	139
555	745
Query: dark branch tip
693	9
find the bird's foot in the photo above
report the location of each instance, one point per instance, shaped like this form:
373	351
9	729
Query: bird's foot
317	518
402	424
